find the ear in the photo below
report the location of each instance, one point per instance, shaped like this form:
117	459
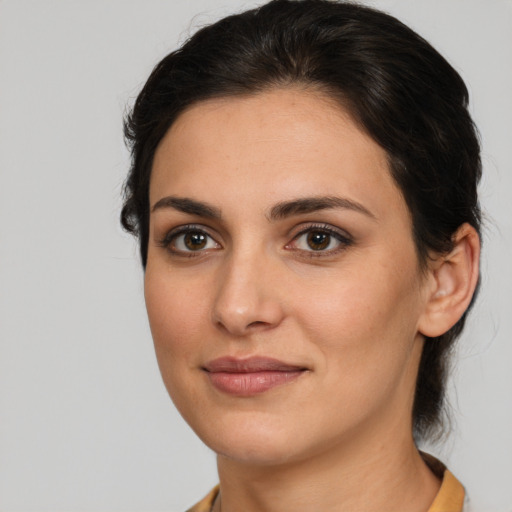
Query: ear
452	279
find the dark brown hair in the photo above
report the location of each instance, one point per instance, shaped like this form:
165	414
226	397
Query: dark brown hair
395	85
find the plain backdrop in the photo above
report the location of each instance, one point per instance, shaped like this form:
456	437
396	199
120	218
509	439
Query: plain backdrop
85	422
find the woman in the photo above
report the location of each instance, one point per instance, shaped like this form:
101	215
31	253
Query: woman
303	186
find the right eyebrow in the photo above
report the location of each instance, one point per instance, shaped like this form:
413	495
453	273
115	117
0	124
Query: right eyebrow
187	205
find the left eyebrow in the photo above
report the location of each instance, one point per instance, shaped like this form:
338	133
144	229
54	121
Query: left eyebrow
286	209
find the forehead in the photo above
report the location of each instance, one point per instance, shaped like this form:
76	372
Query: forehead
275	145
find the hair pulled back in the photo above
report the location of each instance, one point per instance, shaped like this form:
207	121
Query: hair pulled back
394	84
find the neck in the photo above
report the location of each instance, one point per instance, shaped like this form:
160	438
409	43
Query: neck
373	476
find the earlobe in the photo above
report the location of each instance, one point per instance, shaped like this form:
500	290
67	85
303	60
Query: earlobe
453	278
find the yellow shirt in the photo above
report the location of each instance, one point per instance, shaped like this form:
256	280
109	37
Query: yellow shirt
450	497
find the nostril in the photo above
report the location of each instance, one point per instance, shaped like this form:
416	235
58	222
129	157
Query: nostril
257	323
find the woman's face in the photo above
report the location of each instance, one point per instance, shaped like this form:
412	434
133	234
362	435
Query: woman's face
282	283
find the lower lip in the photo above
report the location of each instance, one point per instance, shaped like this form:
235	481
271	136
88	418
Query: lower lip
249	384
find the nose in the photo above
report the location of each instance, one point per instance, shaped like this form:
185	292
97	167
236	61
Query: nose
247	298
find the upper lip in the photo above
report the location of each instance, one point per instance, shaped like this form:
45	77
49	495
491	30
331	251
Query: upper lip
250	365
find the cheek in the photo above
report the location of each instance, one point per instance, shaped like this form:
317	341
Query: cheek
177	314
366	335
360	301
366	322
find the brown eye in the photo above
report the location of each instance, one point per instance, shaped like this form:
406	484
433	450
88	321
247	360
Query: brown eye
318	240
189	240
195	241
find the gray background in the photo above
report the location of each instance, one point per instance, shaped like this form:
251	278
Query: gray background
85	422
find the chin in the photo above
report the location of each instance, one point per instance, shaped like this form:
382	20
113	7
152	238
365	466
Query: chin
254	452
252	442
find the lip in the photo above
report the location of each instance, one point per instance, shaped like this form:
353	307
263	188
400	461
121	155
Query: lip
251	376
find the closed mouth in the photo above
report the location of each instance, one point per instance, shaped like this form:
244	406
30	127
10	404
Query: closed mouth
251	376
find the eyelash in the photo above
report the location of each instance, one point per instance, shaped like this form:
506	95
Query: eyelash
173	235
344	240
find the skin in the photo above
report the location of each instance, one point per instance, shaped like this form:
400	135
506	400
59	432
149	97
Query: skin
338	437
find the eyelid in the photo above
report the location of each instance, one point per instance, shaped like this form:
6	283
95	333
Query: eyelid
174	233
343	237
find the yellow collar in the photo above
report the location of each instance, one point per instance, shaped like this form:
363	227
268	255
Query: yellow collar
450	497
